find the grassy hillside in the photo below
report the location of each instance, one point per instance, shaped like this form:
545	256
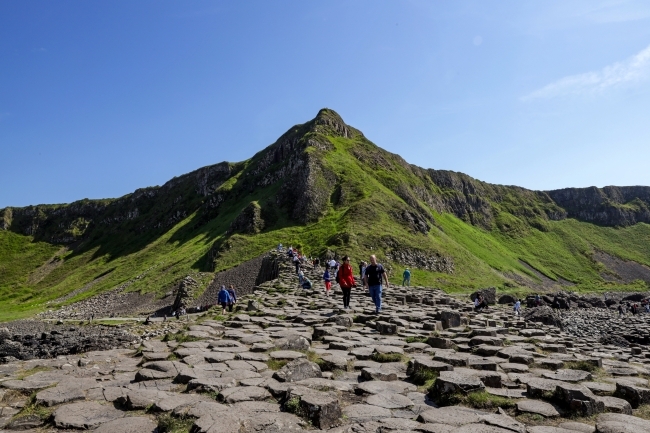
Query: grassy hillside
326	189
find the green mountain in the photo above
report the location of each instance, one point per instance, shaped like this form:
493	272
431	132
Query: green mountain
325	188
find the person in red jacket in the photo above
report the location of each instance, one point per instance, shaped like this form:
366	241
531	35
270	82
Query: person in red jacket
346	280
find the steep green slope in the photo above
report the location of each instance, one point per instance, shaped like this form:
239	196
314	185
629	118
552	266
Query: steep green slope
326	189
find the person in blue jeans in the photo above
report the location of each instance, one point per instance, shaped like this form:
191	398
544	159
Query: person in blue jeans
372	279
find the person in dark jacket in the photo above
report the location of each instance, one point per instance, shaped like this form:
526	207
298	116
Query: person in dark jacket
233	297
223	298
346	281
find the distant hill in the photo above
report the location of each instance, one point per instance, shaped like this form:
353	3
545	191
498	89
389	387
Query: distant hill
325	188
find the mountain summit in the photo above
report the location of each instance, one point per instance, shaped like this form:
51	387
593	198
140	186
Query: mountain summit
324	187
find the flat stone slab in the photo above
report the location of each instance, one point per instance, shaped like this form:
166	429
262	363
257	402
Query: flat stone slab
389	400
132	424
85	415
538	407
600	388
287	355
451	415
578	427
620	423
568	375
376	387
244	393
365	412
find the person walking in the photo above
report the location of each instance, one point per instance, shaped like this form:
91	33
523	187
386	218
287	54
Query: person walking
327	279
406	277
346	281
517	308
223	298
296	262
233	297
372	279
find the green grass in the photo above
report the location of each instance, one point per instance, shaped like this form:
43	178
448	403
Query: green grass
275	364
388	357
476	400
170	424
26	373
424	378
416	339
366	190
582	365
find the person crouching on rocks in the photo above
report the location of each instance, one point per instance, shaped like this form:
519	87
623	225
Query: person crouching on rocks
233	297
224	299
346	281
328	281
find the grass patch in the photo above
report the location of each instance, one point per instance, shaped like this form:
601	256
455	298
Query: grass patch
643	411
387	357
31	408
180	337
293	405
581	365
476	400
424	377
26	373
416	339
170	424
275	364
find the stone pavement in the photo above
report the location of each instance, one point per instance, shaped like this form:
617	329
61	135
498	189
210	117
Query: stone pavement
292	360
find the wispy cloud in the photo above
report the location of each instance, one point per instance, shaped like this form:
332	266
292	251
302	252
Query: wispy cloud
630	71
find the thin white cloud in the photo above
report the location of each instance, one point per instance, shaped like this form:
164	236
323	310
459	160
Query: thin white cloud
628	72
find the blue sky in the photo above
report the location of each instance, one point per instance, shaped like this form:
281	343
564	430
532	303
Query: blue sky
100	98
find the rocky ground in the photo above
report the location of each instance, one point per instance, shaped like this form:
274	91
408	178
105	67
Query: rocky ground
292	360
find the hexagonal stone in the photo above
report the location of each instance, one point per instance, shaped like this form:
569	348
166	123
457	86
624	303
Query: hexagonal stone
451	382
568	375
287	355
376	387
299	369
85	415
615	405
365	412
244	393
389	400
578	427
620	423
600	388
537	407
373	373
635	395
133	424
451	415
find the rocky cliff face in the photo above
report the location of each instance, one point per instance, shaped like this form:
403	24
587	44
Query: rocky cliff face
609	206
295	162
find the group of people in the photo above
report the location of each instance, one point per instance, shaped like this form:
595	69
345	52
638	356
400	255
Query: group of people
634	308
227	298
372	276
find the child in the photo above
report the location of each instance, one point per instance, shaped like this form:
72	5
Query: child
328	281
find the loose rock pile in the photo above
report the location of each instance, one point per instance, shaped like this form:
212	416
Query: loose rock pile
292	360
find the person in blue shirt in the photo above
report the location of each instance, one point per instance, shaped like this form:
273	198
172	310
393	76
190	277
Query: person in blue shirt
406	277
223	298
